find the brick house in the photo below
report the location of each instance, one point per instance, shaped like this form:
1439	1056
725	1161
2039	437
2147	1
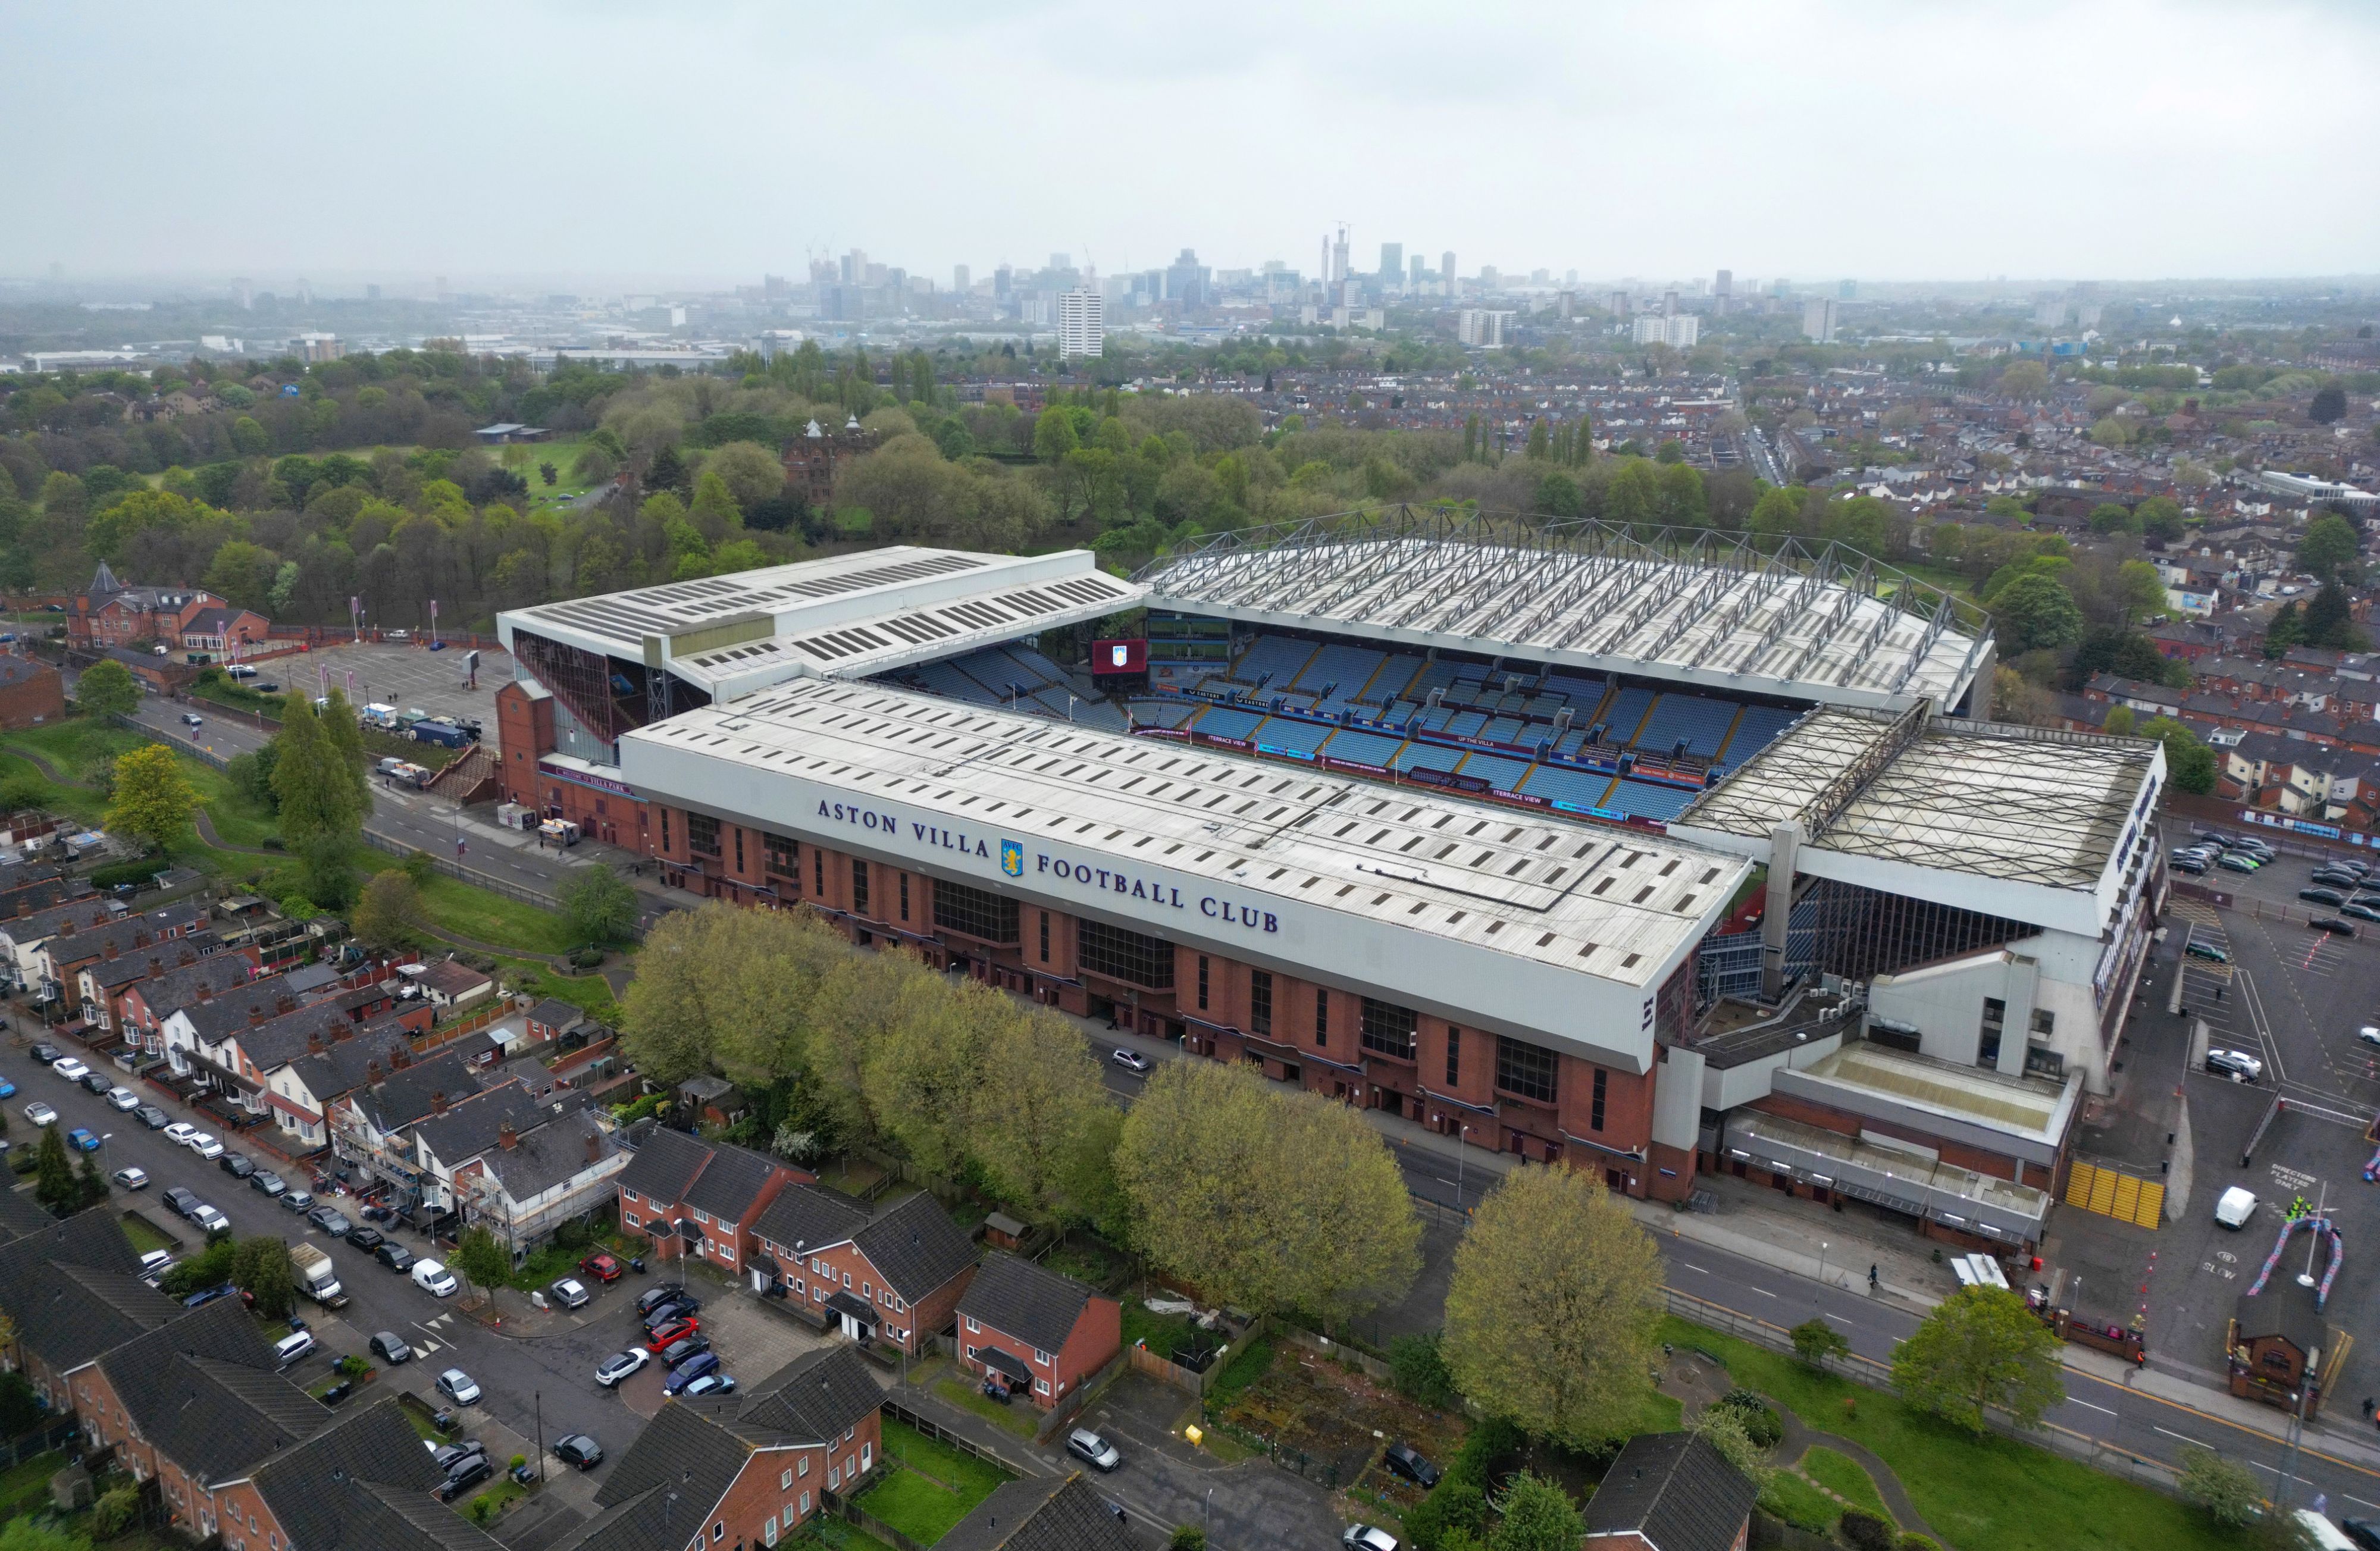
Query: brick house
895	1277
515	1163
701	1198
193	621
75	1292
141	1008
362	1483
1670	1492
748	1468
103	986
30	693
1042	1332
1041	1514
452	984
198	1033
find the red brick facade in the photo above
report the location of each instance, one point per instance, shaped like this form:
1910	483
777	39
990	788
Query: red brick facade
1094	1342
30	693
813	1279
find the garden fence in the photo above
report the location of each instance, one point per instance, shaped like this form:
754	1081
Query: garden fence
965	1445
869	1523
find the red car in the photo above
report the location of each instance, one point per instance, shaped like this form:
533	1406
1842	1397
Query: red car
676	1329
601	1267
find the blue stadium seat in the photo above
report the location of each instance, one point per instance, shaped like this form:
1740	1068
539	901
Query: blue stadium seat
1362	748
1626	713
1702	722
1645	799
1425	757
1574	788
1283	734
1504	775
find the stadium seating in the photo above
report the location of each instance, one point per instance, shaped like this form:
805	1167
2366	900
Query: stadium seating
1646	800
1574	788
1626	714
1504	775
1702	724
1227	721
1425	757
1362	748
1340	668
1389	682
1283	734
1756	730
1167	713
1274	662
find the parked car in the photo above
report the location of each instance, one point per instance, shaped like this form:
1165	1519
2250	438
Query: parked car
2361	911
679	1350
2233	861
70	1069
2331	897
2331	923
655	1296
693	1368
178	1201
615	1368
392	1348
206	1146
96	1082
675	1308
447	1455
2368	1034
660	1336
330	1220
40	1113
152	1117
434	1278
206	1217
601	1267
2337	876
396	1257
236	1165
1088	1446
180	1132
131	1179
469	1474
45	1052
366	1239
82	1139
570	1292
2208	951
119	1098
708	1384
458	1387
1368	1537
298	1201
268	1182
7	1088
1131	1060
579	1451
1402	1460
2238	1065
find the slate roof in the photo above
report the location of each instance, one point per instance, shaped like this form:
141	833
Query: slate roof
41	924
403	1096
363	1484
1041	1514
471	1127
310	978
277	1041
204	1392
1017	1298
346	1065
452	978
556	1013
180	987
37	895
805	1218
916	1246
70	1315
728	1184
665	1166
1676	1491
20	1215
160	958
227	1011
126	934
553	1154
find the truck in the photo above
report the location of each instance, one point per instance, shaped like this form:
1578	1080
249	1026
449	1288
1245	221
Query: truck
317	1278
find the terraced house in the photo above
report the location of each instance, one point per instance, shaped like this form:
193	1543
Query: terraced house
699	1198
894	1277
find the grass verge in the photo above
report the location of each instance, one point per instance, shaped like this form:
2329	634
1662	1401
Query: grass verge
145	1235
1845	1477
1017	1417
1793	1500
1964	1485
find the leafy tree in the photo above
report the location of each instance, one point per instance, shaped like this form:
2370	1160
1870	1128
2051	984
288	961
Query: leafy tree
1054	435
2119	722
108	687
2287	629
28	1534
54	1184
260	1265
2035	611
1418	1365
602	905
113	1511
1265	1199
737	991
2328	622
2160	519
2228	1490
547	472
2330	548
482	1259
2140	590
153	800
2329	405
1044	1131
1814	1340
390	910
2024	380
2189	763
1540	446
1535	1514
667	471
21	1405
1724	1429
89	1184
1548	1317
344	738
1186	1537
2110	517
1982	1348
319	797
209	1268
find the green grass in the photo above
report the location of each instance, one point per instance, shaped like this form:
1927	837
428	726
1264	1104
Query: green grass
591	994
1019	1417
25	1486
1161	1332
1241	1368
935	1488
1790	1498
1845	1477
145	1235
1659	1414
489	917
1962	1485
499	1496
840	1536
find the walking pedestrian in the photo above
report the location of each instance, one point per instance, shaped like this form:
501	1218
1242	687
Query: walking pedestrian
1871	1279
2367	1408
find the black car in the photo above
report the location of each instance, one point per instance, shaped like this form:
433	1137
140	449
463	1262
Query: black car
235	1165
366	1238
2362	909
396	1257
1404	1459
330	1220
676	1308
579	1451
180	1201
683	1348
2364	1533
2331	923
152	1117
268	1182
467	1473
2340	876
2330	897
455	1454
96	1082
47	1053
655	1296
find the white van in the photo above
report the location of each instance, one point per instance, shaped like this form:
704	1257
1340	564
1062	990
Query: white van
290	1348
2236	1205
2318	1531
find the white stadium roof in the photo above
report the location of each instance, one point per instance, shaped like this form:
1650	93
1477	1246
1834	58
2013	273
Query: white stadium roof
846	617
1691	606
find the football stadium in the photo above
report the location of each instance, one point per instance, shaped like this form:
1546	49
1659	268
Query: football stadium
1656	852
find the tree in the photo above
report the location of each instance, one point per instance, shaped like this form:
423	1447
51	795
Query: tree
2329	547
2189	763
1814	1340
2160	519
28	1534
2035	611
260	1265
2110	517
107	688
90	1186
739	991
344	738
1054	435
1549	1317
2329	622
601	905
547	472
752	473
2287	629
2329	405
53	1183
1044	1130
2119	722
2228	1490
389	912
1535	1514
2024	380
319	796
1265	1199
482	1259
667	471
1540	446
1417	1365
1723	1428
2140	590
1982	1348
153	800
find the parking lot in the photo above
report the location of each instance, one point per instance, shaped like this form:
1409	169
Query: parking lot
408	677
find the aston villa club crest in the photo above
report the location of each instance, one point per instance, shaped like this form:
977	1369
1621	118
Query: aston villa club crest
1119	654
1012	858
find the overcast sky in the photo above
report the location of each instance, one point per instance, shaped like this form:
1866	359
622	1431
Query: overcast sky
656	144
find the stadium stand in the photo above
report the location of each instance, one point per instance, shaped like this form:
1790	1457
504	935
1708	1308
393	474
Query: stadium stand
1499	774
1274	662
1569	788
1283	734
1626	714
1702	725
1646	800
1362	748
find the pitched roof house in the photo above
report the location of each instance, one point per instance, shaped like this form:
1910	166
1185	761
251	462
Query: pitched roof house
1040	1513
1044	1333
701	1198
1670	1492
895	1277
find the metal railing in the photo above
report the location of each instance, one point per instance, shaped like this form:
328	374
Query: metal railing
457	871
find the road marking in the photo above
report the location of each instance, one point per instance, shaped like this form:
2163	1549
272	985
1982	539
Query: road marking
2192	1442
1764	1292
2102	1410
2353	1498
1691	1266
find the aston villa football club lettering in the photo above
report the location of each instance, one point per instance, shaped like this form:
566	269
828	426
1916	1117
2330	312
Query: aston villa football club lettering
1147	892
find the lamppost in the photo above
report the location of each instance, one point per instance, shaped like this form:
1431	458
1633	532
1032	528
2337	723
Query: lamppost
1460	1144
1823	1247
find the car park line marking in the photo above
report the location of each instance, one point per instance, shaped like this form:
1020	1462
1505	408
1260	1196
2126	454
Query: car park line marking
1764	1292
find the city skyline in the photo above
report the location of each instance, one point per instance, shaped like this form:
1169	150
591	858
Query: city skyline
1819	141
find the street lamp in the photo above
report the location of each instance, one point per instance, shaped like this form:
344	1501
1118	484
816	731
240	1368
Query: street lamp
1459	1147
1823	1247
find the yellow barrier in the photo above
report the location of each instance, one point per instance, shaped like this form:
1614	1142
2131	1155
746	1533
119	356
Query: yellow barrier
2113	1194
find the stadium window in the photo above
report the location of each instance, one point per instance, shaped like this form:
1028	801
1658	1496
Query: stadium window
784	857
1321	1017
702	833
1045	937
858	887
978	913
1453	1055
1595	1110
1133	957
1260	1001
905	896
665	845
739	847
818	872
1389	1029
1202	979
1524	1069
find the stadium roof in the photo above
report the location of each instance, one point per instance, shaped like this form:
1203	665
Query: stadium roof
1716	610
844	617
1361	877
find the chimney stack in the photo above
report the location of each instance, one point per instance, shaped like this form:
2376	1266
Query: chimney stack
108	950
438	1102
371	1071
505	1136
206	992
314	1042
594	1147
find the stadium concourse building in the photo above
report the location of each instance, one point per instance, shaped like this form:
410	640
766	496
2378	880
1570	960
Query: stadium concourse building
1654	855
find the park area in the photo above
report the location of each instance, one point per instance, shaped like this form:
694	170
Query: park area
928	1487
